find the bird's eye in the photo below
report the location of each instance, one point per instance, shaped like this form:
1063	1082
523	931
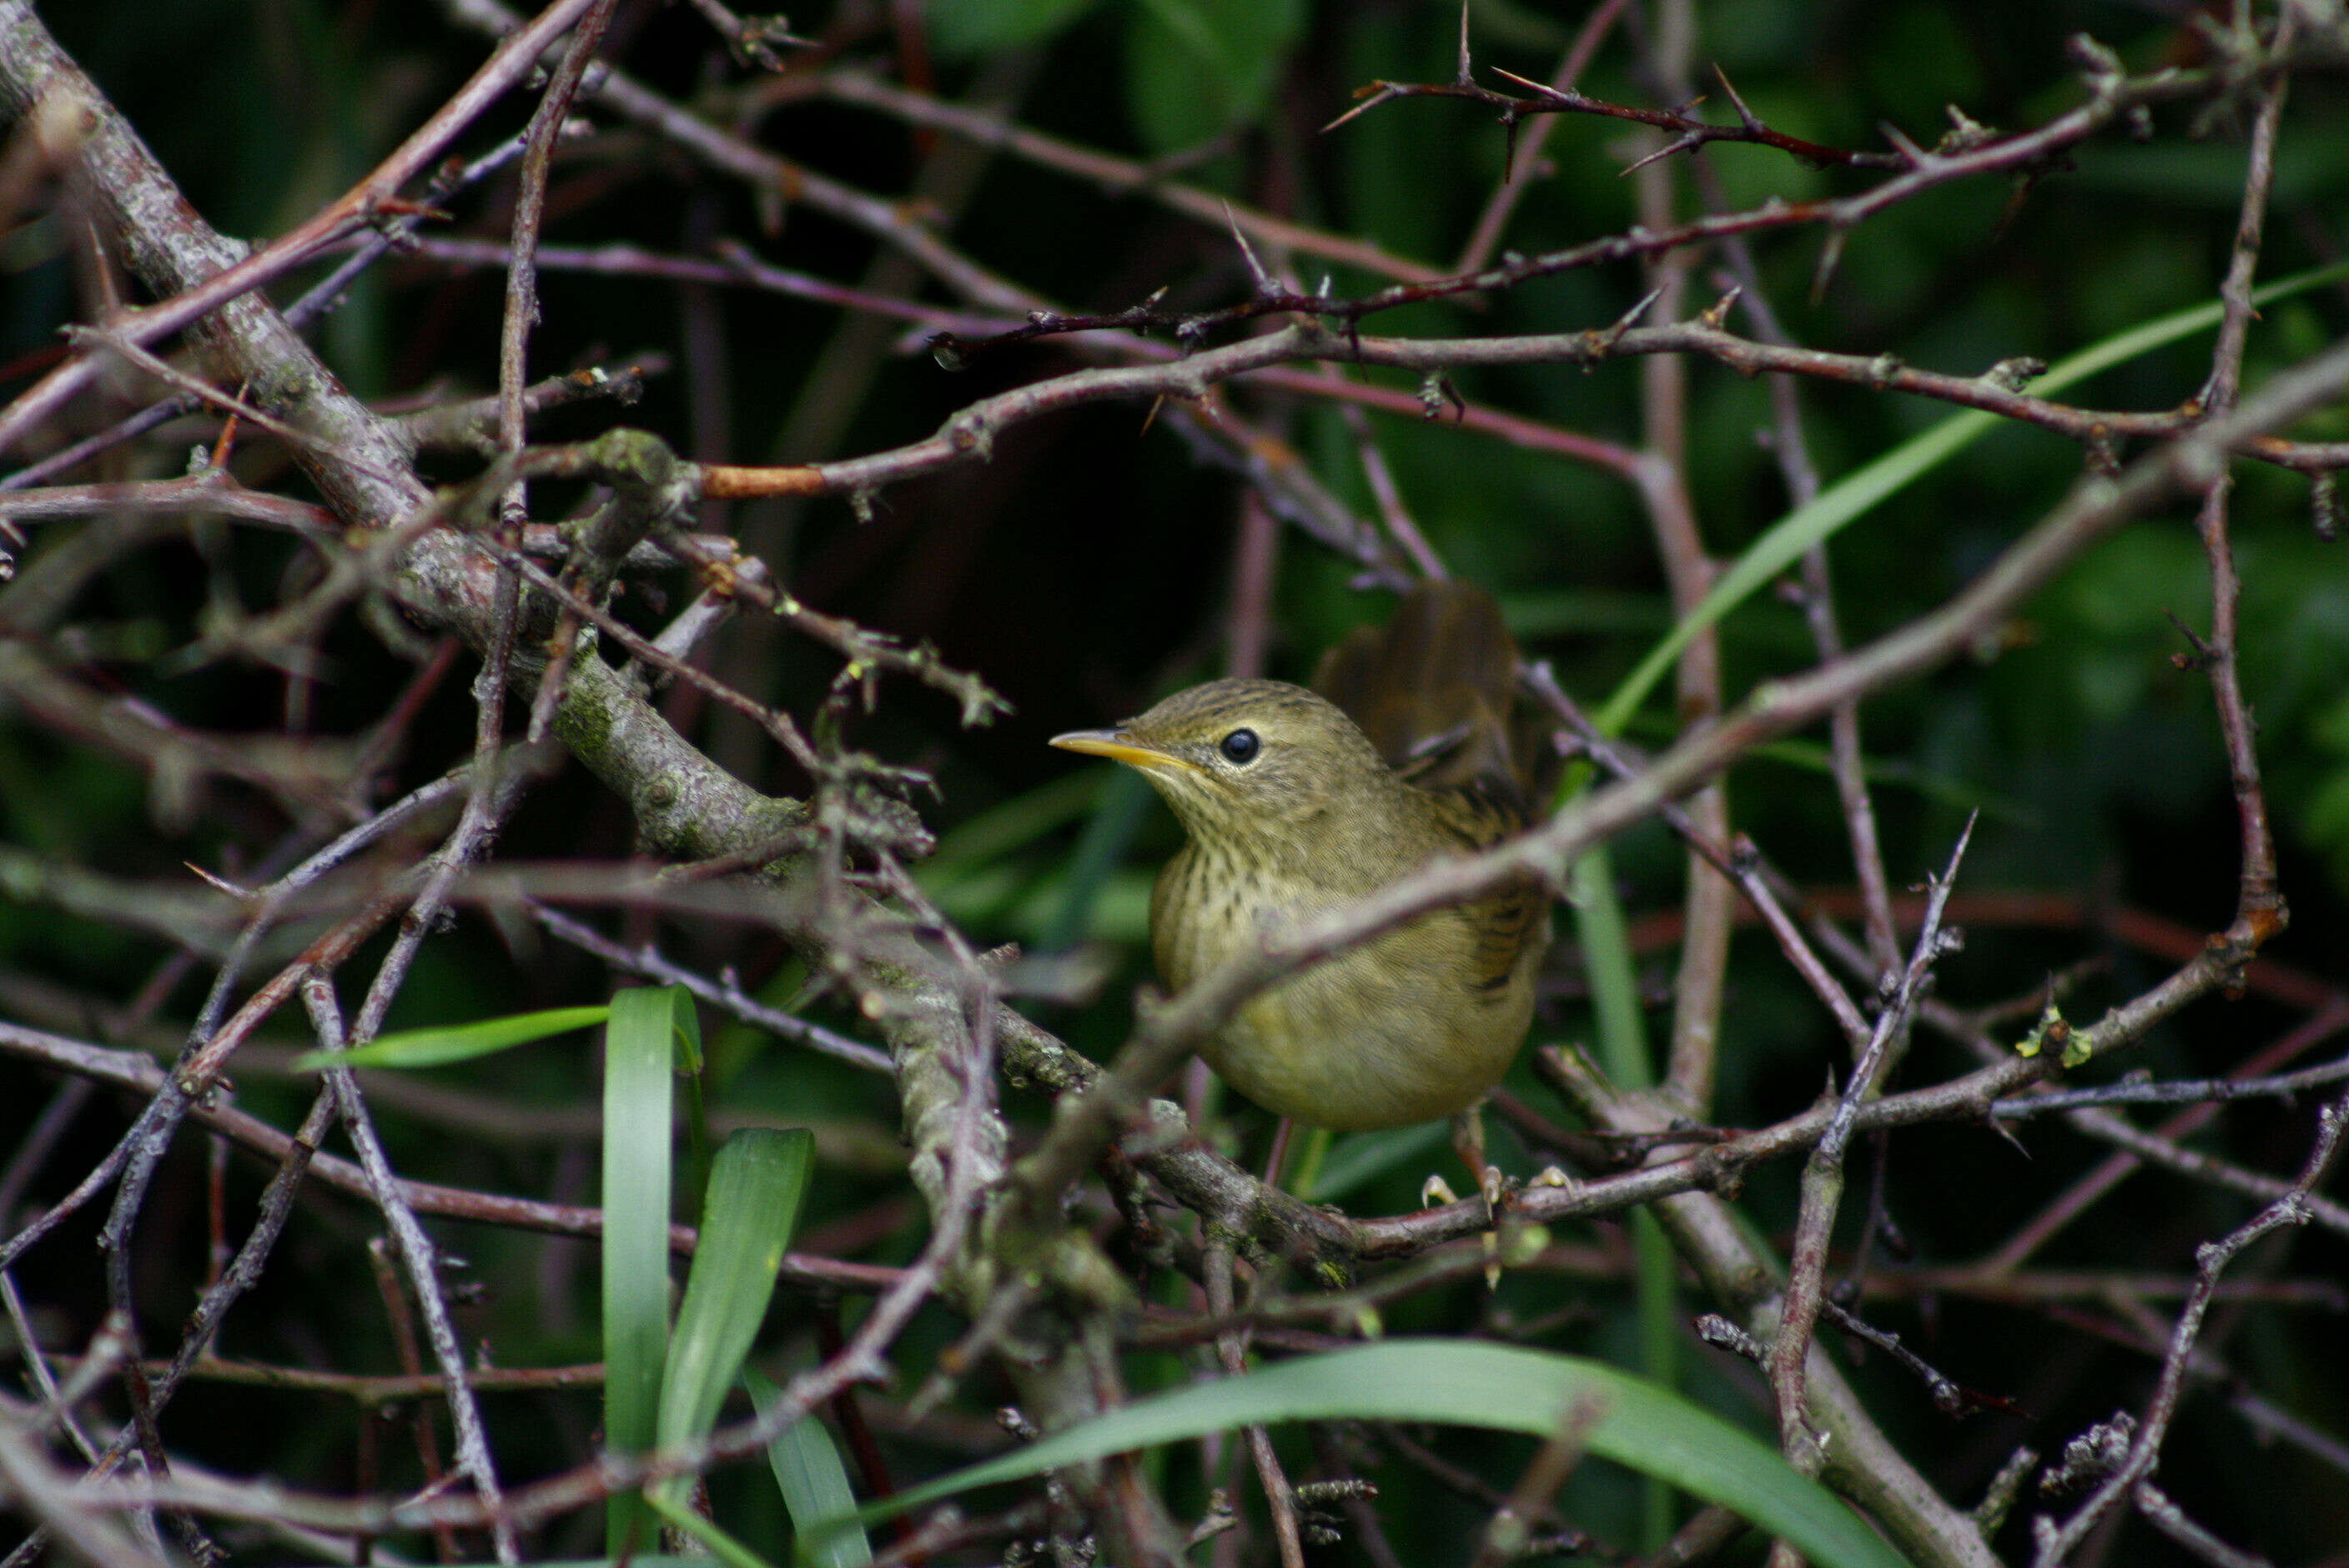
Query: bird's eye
1241	747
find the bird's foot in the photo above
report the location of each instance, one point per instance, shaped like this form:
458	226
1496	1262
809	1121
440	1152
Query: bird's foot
1493	1189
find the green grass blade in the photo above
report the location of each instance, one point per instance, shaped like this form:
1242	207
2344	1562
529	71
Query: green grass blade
455	1042
1353	1162
641	1559
1604	939
723	1548
757	1186
1845	499
814	1484
1117	816
692	1065
638	1056
1014	827
1472	1383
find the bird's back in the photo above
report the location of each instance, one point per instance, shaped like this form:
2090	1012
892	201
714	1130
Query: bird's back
1434	689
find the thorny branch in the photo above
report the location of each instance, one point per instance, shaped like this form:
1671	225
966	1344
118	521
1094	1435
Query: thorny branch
1012	1246
2057	1542
1823	1174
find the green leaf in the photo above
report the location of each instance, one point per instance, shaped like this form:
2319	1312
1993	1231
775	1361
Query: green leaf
1196	68
1848	498
814	1483
1471	1383
638	1053
757	1186
960	29
454	1043
1958	796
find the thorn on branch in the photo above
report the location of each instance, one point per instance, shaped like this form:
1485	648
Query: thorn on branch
1830	255
2098	63
1688	143
1912	155
1949	1398
1264	283
1372	95
2204	654
1547	92
1626	321
1745	114
1964	134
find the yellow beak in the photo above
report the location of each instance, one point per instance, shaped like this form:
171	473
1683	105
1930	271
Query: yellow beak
1115	744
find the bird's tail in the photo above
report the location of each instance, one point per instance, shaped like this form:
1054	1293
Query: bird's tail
1435	688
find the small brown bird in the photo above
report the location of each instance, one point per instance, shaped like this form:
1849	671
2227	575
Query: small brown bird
1292	809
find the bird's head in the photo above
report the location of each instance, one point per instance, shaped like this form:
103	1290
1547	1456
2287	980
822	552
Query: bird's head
1246	759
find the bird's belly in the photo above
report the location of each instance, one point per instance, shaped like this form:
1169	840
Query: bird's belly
1387	1035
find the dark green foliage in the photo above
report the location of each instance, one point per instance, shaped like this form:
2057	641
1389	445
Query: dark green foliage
1104	555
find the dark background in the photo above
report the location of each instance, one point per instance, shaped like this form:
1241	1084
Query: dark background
1087	567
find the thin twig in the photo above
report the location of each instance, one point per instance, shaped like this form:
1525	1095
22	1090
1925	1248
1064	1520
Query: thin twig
421	1261
1790	1349
2057	1541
